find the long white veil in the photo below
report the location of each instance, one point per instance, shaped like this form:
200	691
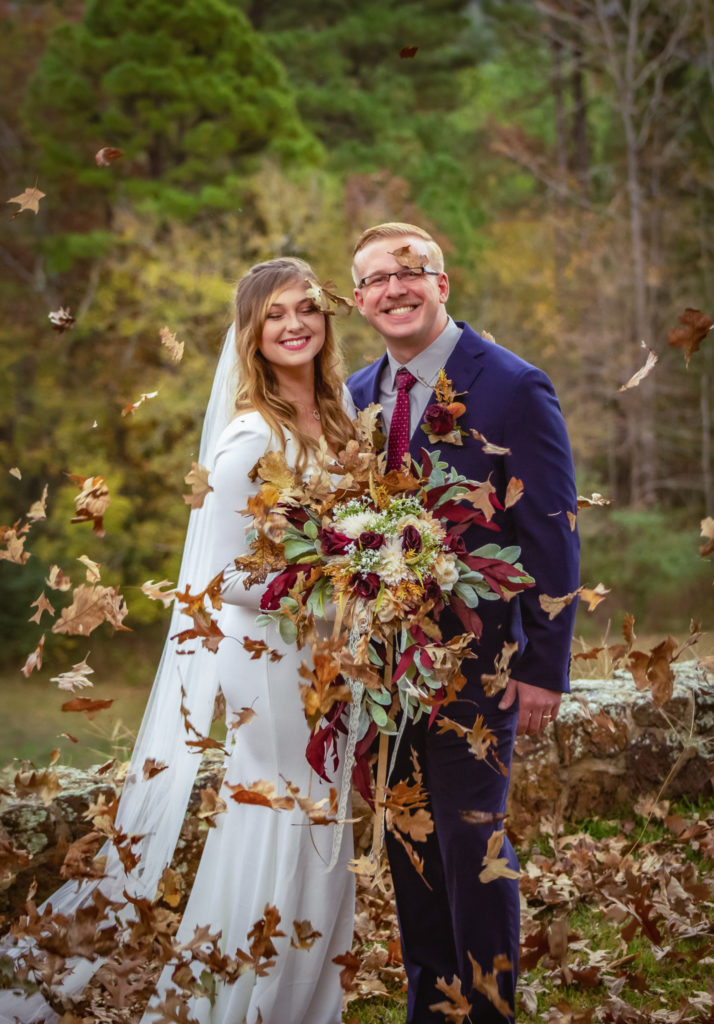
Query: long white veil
154	807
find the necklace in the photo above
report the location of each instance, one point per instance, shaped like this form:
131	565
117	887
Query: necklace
311	409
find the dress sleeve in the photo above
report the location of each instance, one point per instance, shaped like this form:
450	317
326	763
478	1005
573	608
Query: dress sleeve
244	441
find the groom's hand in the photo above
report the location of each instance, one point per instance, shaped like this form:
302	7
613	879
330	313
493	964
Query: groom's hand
537	707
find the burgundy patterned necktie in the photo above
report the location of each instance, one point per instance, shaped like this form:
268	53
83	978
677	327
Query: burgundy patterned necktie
399	427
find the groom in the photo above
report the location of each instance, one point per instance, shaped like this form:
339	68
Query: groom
460	919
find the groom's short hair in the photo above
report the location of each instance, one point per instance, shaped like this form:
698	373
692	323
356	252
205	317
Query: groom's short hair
397	229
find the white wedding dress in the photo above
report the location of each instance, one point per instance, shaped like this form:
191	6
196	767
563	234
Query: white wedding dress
257	856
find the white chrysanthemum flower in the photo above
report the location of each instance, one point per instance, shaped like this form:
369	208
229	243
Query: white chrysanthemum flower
393	568
354	525
445	570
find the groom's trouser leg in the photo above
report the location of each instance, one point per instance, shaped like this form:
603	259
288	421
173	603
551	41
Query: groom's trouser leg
460	914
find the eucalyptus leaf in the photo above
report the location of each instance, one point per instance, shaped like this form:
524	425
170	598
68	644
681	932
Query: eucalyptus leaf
288	630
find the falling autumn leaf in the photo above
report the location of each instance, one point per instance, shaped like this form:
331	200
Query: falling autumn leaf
133	406
594	595
211	806
91	606
495	866
107	155
695	327
174	347
707	532
257	648
92	575
28	200
34	660
488	447
38	510
487	983
514	492
455	1008
15	472
154	591
555	605
407	52
325	298
409	257
261	793
152	767
61	319
644	371
305	935
92	501
595	499
88	706
42	605
58	580
244	716
197	479
77	678
12	544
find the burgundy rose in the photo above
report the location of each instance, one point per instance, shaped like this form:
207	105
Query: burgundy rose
454	542
411	539
333	542
366	586
432	590
438	419
369	540
279	587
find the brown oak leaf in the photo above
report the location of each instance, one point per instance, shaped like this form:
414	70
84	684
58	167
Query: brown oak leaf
695	327
90	707
42	605
305	935
91	606
91	502
455	1007
409	257
197	479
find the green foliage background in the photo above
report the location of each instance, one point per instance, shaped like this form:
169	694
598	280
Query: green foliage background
253	129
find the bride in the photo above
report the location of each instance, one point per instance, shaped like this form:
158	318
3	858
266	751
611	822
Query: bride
283	376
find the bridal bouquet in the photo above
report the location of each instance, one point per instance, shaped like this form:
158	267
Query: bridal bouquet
383	554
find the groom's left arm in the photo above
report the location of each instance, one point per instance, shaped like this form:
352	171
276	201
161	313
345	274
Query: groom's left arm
544	524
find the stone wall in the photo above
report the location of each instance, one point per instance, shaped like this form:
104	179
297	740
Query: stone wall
609	748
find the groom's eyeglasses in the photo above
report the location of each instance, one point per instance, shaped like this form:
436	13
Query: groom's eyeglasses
380	280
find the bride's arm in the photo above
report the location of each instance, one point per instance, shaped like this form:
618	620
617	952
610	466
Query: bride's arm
243	443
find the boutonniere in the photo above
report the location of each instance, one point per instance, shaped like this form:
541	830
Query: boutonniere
440	419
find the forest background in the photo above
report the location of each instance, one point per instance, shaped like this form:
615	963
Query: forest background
562	154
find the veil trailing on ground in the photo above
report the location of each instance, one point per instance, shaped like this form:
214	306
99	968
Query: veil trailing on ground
153	807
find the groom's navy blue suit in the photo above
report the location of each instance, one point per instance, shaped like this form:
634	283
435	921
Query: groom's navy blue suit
513	405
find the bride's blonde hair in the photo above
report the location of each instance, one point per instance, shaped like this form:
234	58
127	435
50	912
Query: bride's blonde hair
257	384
